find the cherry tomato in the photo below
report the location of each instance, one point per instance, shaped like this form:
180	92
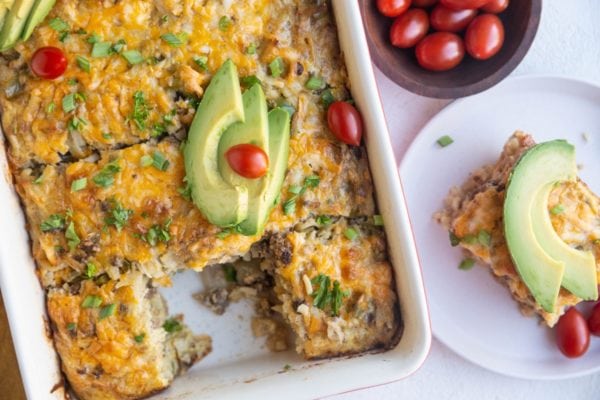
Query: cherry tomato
345	122
248	160
484	37
440	51
448	20
423	3
393	8
594	320
48	62
409	28
572	334
495	6
464	4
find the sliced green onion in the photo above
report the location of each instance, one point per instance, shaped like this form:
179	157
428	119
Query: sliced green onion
83	63
68	103
90	270
133	57
327	98
159	161
93	38
101	49
139	338
276	67
91	302
172	325
466	264
71	236
289	206
224	23
118	46
50	107
315	83
201	61
175	40
445	141
454	240
251	49
377	220
484	238
107	311
146	161
78	184
58	25
324	220
557	209
250	80
350	233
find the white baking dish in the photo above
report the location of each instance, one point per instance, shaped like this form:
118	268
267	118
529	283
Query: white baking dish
240	366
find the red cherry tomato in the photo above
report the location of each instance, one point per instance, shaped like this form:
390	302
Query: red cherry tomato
495	6
594	320
248	160
393	8
409	28
345	122
448	20
484	37
464	4
48	62
423	3
440	51
572	334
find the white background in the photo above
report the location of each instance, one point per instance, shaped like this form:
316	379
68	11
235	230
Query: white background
568	44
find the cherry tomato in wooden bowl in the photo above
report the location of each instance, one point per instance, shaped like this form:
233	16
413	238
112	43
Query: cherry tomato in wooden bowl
248	160
484	36
423	3
440	51
594	320
48	62
448	20
464	4
572	334
409	28
393	8
345	122
495	6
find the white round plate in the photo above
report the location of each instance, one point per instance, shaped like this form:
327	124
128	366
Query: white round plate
470	312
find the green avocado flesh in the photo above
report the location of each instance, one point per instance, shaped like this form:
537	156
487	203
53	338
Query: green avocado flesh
221	203
39	11
5	6
580	266
14	22
254	130
526	198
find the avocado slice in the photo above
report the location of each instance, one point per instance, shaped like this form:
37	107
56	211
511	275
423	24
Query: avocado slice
255	130
5	6
540	166
221	203
14	22
40	10
580	266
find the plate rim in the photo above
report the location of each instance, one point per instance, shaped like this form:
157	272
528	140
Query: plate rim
408	154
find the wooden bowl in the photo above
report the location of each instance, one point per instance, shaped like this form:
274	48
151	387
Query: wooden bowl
521	20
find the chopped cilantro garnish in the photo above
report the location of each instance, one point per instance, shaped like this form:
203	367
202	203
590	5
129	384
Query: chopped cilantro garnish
314	83
158	233
101	49
230	273
337	296
445	141
201	61
351	233
91	302
175	40
557	209
58	25
484	238
107	311
118	216
276	67
251	49
454	240
90	270
172	325
106	176
78	184
159	161
327	98
71	236
324	220
158	130
141	111
312	181
164	19
466	264
54	222
139	338
83	63
76	123
133	57
185	192
224	23
68	103
249	81
289	206
324	296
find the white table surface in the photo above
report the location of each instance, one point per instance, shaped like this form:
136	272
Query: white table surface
567	43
